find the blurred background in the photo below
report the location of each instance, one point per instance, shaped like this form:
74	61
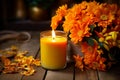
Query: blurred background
29	14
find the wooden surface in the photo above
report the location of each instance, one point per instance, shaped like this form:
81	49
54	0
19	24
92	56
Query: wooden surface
69	73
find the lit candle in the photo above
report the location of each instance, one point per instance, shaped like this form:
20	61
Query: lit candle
53	50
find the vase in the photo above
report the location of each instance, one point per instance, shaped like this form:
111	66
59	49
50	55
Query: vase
73	49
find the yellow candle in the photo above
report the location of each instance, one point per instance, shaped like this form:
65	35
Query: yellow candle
53	52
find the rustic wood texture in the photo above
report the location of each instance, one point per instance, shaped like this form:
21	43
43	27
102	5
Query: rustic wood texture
65	74
69	73
34	44
112	74
86	75
32	47
16	76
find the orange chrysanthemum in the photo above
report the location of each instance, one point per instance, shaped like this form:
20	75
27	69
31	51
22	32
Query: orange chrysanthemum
79	31
58	17
96	26
91	56
105	15
89	51
79	62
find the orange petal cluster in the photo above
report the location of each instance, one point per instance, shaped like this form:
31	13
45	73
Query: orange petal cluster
98	22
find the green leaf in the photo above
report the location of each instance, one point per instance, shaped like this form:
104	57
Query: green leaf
101	44
92	28
96	38
90	41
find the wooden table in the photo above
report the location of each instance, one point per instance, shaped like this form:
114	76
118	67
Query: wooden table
69	73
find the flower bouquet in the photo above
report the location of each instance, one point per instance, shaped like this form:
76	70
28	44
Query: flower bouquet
95	27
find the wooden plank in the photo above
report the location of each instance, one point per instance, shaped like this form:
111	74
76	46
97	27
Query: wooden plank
112	74
66	74
82	75
32	47
86	75
38	75
92	75
16	76
35	47
10	76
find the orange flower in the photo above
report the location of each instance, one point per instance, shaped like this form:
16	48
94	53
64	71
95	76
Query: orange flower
95	26
92	58
79	30
89	51
106	16
58	17
55	21
117	20
79	62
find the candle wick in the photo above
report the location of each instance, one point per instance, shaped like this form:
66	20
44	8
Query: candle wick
53	35
53	38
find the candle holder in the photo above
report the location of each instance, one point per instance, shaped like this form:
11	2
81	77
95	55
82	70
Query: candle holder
53	50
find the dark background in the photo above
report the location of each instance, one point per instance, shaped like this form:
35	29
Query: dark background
30	20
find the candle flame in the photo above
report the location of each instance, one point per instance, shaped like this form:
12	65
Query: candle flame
53	34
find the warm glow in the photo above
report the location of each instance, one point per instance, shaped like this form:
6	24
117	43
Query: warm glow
19	13
53	34
53	50
36	9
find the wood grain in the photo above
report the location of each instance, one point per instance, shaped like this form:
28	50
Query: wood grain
32	47
65	74
112	74
69	73
86	75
